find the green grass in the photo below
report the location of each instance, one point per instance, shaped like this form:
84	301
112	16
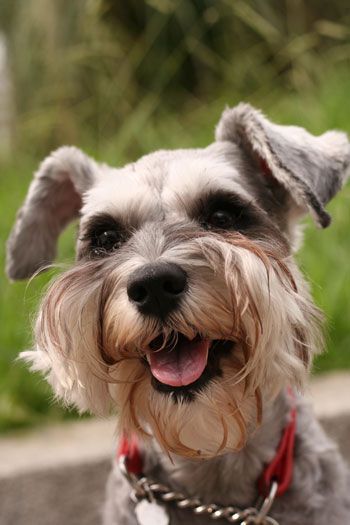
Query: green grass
325	261
25	399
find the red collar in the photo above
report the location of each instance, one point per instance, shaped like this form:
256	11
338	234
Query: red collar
280	468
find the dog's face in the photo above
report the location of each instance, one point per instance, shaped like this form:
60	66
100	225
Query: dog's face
185	310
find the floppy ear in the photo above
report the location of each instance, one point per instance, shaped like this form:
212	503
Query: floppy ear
53	200
311	169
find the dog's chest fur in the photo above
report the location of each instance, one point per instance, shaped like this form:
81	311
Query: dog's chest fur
319	493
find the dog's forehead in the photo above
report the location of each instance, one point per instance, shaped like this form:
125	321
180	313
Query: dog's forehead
166	182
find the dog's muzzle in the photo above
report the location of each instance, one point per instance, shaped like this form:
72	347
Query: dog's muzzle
156	289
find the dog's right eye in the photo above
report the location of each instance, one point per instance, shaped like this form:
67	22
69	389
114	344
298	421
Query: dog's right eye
103	236
107	241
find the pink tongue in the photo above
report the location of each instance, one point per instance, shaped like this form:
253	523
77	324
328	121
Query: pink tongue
181	366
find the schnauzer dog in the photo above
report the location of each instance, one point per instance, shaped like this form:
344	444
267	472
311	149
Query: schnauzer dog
186	314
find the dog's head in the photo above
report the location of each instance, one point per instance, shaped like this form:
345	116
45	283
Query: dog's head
185	310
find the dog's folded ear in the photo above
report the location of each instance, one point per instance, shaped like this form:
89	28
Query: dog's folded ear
310	168
53	200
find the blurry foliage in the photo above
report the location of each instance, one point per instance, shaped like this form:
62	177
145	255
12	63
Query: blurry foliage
92	71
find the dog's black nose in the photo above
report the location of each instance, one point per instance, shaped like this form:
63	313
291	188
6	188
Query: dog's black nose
156	289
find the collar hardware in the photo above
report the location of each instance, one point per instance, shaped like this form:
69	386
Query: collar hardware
145	489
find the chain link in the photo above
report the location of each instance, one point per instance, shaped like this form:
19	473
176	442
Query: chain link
145	488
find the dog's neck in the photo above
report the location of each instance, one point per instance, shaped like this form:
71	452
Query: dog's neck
230	478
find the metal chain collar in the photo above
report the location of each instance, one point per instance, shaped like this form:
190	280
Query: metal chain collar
143	488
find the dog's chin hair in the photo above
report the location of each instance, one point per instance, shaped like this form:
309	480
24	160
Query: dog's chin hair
216	422
90	339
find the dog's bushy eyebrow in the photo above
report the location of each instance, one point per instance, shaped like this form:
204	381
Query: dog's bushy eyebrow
218	196
98	223
212	200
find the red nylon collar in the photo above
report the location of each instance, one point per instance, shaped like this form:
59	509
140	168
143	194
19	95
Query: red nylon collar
280	469
130	450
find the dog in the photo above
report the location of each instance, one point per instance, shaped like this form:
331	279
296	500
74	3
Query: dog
186	314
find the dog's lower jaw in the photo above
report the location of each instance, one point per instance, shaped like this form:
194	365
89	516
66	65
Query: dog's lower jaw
318	494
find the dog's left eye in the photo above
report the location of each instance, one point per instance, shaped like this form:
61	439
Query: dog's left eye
221	219
222	211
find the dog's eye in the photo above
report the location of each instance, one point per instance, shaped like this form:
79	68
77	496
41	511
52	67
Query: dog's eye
107	241
103	235
222	211
231	218
221	219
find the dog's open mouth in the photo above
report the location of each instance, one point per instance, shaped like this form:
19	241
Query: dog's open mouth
179	363
182	365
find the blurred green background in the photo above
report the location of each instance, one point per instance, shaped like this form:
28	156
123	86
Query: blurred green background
119	79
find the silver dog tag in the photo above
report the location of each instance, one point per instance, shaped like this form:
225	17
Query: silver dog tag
150	513
255	520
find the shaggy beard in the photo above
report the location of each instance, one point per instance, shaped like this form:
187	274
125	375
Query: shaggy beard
91	341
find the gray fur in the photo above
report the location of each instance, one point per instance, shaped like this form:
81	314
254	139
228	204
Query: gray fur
311	168
54	199
319	493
